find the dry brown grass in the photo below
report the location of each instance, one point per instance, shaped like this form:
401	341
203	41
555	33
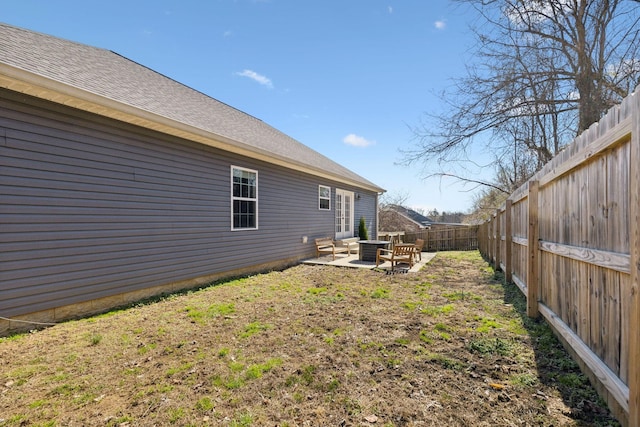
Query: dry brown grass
309	346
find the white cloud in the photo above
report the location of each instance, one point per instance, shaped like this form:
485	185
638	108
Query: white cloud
357	141
227	33
440	24
265	81
390	9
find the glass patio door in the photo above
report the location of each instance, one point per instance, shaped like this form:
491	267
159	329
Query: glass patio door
344	214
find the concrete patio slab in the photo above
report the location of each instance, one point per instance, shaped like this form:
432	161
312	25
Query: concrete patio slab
343	260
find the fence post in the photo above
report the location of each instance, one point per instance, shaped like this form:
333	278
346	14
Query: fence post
508	241
498	239
533	279
489	241
634	251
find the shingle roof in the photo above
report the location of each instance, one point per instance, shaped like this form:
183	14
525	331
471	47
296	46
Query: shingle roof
412	215
119	84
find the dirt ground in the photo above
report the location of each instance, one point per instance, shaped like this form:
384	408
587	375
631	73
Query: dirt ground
308	346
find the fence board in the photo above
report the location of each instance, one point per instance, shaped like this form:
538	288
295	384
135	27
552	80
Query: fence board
462	238
622	132
610	260
634	248
533	270
508	242
617	388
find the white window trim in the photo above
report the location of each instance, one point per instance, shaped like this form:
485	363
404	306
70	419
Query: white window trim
233	198
320	187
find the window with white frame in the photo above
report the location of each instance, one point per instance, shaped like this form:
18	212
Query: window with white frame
244	198
324	197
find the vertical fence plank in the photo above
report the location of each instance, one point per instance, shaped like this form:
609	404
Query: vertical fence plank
534	257
493	237
634	249
498	240
508	241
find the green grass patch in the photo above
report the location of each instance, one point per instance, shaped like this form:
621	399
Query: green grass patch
438	310
447	362
243	420
232	382
572	380
254	328
175	414
491	346
204	404
38	404
487	325
305	376
216	310
185	367
195	314
410	305
524	380
145	348
257	370
380	293
425	336
94	339
461	296
471	256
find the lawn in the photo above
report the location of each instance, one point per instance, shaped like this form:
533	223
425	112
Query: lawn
307	346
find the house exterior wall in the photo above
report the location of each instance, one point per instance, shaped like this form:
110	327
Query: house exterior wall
366	207
91	208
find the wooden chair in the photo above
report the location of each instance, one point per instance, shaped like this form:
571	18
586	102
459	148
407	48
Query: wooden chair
401	253
326	245
419	246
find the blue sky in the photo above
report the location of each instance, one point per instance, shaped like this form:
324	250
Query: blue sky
347	78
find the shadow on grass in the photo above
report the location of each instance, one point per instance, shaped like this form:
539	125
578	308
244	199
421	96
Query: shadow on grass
555	366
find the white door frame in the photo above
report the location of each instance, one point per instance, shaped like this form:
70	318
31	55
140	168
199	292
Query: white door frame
344	207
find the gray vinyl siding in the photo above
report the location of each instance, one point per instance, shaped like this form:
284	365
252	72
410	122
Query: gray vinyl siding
366	207
91	208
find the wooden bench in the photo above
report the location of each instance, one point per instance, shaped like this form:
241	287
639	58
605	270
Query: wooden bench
327	245
352	243
401	253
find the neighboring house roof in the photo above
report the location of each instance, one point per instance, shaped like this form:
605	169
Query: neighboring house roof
412	215
106	83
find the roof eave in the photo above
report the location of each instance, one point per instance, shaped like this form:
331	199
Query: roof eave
22	81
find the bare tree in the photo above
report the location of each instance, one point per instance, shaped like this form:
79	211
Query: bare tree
544	70
485	204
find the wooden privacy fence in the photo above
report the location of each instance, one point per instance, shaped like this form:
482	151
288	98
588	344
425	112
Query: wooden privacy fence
570	239
446	239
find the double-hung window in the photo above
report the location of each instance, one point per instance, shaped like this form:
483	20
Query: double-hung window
244	198
324	197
